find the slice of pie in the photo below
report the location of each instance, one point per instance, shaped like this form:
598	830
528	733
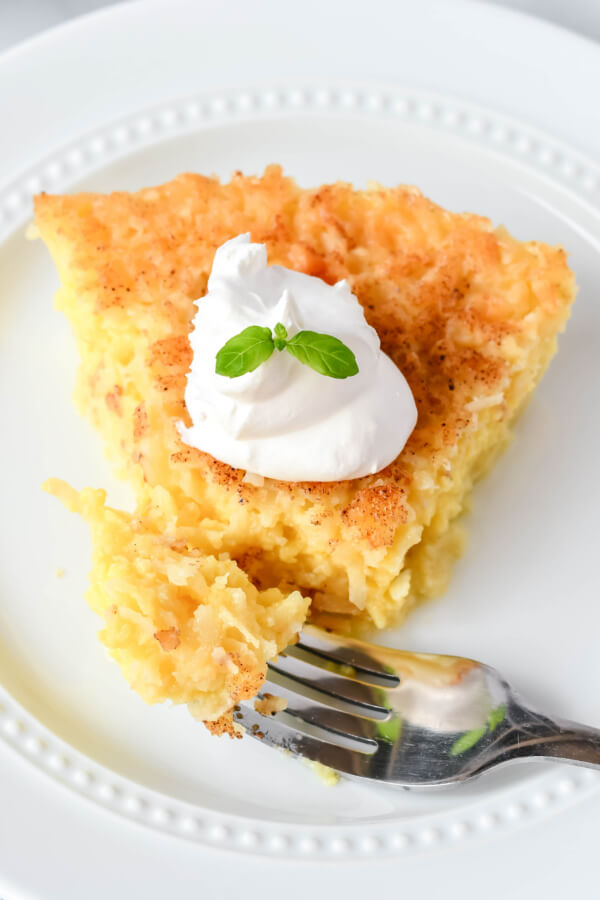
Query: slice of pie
214	571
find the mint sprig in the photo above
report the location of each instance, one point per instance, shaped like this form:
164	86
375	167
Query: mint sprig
247	350
325	354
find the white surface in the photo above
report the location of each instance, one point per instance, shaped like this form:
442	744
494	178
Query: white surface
22	19
419	50
461	158
98	857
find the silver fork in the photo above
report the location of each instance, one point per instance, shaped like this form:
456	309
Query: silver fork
405	719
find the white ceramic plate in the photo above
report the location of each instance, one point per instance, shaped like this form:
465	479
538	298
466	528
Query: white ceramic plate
523	598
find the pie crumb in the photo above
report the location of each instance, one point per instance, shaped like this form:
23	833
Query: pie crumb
269	705
327	775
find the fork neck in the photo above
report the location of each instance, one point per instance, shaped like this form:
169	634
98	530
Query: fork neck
558	740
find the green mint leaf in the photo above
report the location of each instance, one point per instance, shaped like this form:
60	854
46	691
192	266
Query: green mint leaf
467	740
496	716
323	353
280	332
245	352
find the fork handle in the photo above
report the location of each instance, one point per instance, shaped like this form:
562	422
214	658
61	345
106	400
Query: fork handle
567	741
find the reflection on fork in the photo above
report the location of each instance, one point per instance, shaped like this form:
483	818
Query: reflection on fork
405	719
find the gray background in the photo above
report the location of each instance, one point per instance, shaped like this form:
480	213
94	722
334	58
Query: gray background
20	19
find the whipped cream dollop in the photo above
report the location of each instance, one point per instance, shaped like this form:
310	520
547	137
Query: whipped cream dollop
284	420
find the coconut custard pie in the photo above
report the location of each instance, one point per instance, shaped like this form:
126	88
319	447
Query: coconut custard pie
217	567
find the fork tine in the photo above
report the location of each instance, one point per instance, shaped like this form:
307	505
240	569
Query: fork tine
316	644
275	733
340	666
316	713
352	695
